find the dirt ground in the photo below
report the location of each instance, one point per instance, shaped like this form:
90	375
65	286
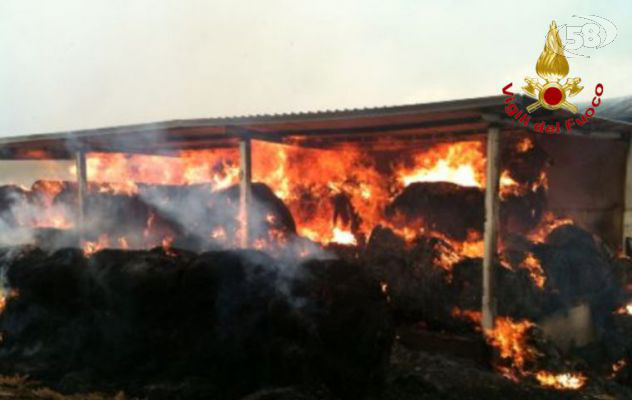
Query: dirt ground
413	375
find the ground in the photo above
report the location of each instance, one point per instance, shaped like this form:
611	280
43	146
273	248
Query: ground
413	375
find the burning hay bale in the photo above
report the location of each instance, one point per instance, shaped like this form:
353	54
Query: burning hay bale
455	210
433	204
238	319
140	216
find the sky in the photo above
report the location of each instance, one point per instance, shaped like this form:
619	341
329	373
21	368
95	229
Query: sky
75	64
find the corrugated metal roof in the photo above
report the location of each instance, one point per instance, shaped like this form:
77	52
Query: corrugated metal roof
407	122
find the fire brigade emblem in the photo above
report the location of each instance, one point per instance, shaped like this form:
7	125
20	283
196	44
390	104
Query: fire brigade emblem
552	66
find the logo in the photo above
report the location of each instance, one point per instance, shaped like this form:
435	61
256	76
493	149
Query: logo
552	66
551	93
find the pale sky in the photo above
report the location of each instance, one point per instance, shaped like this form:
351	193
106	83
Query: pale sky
73	64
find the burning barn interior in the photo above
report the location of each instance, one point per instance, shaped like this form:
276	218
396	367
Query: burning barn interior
318	250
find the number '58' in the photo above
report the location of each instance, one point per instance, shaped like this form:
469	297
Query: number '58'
582	36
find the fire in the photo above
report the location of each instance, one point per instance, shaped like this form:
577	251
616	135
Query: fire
384	288
535	269
219	233
508	336
6	295
166	246
473	316
44	212
128	188
524	145
452	251
334	195
308	179
565	381
47	190
462	163
626	309
123	243
548	223
508	186
220	168
343	237
90	248
617	366
56	217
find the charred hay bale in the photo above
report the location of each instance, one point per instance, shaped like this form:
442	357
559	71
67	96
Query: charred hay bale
326	321
194	212
416	288
350	326
434	203
234	328
580	270
240	319
267	203
131	281
41	323
203	217
122	215
119	215
135	310
516	294
54	280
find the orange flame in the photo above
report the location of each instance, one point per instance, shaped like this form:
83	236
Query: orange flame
218	167
462	163
626	309
509	338
6	295
90	248
617	366
307	180
547	224
535	269
565	381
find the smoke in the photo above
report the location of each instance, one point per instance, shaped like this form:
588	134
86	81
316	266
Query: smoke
211	219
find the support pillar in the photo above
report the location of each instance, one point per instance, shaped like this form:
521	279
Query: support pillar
245	189
491	227
627	203
82	188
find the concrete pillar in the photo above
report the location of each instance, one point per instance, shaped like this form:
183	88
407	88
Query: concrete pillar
491	228
627	202
82	189
245	189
